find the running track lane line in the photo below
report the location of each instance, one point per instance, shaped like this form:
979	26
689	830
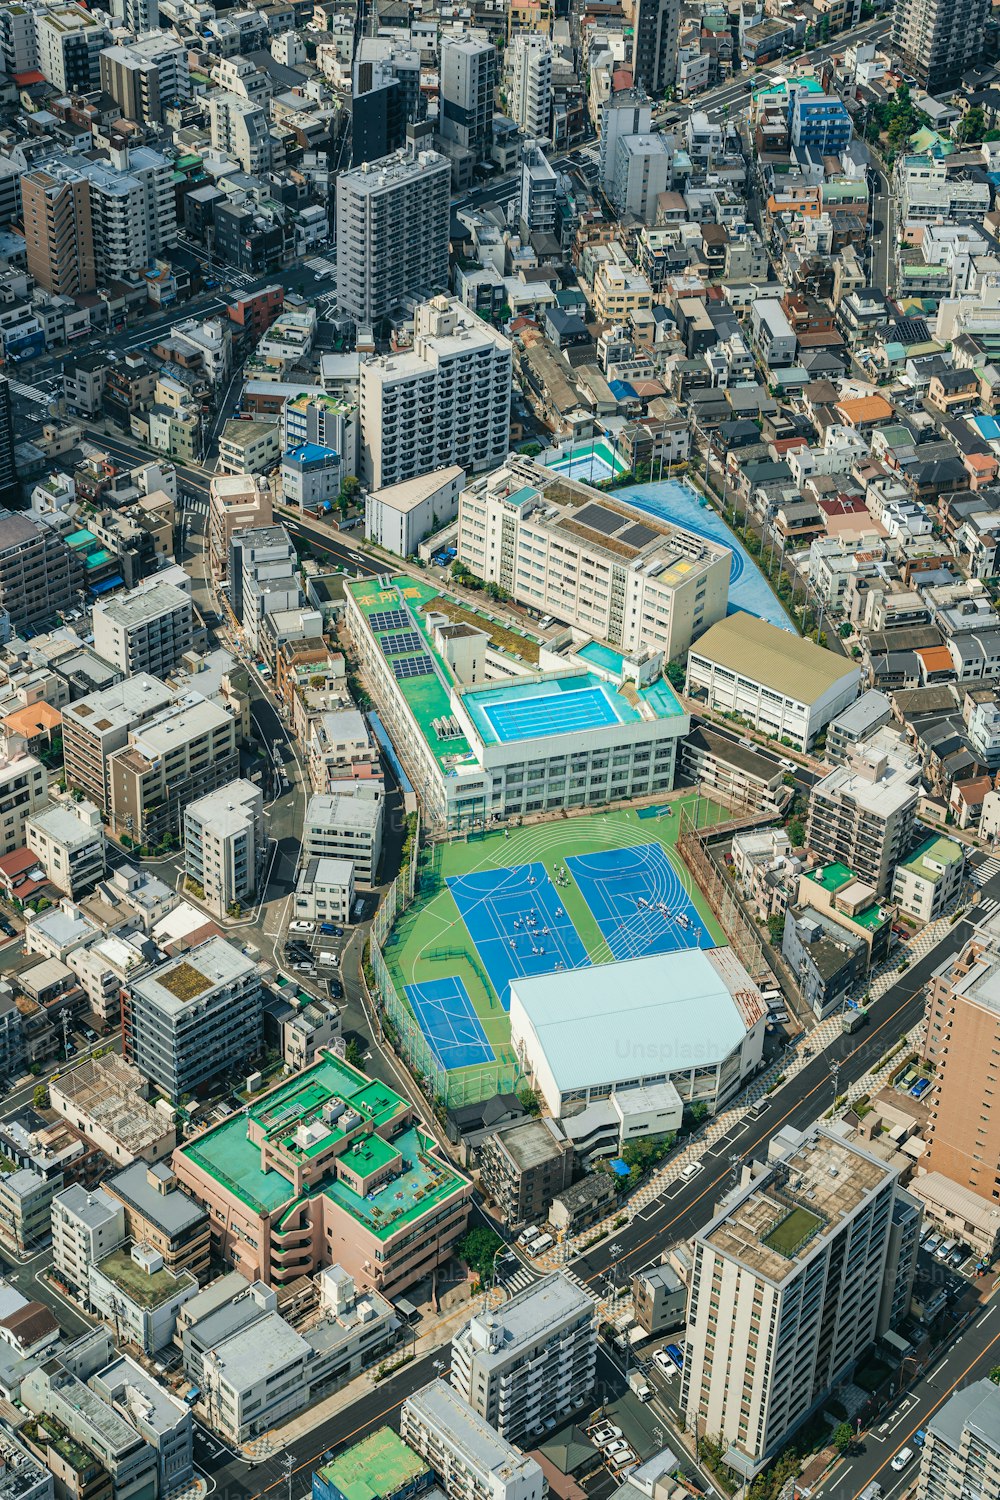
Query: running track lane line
713	1185
940	1402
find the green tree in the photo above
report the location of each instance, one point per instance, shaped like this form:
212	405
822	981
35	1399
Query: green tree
40	1097
973	125
477	1248
676	675
776	928
995	1374
529	1099
843	1437
354	1053
796	832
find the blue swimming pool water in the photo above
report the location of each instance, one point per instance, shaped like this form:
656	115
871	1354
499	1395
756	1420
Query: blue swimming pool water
553	713
602	656
675	501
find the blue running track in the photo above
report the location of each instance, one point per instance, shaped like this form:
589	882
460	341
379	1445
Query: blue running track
638	901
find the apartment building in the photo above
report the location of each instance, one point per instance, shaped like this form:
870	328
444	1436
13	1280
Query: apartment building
468	68
132	210
534	1359
193	1018
40	576
236	502
343	827
530	100
68	838
24	789
159	1214
342	1138
242	128
524	1168
393	223
962	1044
564	549
862	814
937	40
786	1289
137	1296
224	844
146	75
106	1453
86	1226
786	687
961	1453
148	630
58	233
183	753
68	41
471	1459
539	199
446	401
97	725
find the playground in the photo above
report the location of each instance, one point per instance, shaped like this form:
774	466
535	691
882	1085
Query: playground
537	900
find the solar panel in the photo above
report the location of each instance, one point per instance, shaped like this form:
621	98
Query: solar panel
411	666
638	535
389	619
404	640
598	519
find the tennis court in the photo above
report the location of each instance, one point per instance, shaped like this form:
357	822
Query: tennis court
448	1020
639	901
517	922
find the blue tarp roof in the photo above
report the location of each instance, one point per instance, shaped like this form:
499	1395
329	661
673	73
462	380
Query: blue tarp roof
619	1167
987	427
622	389
108	583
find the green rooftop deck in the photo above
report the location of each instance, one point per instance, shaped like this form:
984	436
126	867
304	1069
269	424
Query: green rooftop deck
832	878
146	1289
380	1465
425	1183
933	852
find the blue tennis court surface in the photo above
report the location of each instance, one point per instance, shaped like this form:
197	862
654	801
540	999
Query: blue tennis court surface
516	920
447	1019
638	901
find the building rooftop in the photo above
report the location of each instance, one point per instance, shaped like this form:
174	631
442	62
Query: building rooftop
203	970
527	1318
174	1213
694	1004
144	604
930	859
777	1220
475	1440
413	492
121	705
773	657
335	811
975	1409
267	1346
93	1208
380	1465
148	1289
64	926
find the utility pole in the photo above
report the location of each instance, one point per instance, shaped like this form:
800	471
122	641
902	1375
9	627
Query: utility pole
288	1468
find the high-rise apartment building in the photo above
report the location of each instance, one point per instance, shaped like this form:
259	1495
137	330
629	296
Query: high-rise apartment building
862	814
627	112
962	1045
8	468
40	576
146	75
468	85
532	1360
961	1454
147	630
445	401
24	789
193	1018
235	502
530	101
18	45
223	842
180	754
938	39
58	234
241	128
786	1290
393	223
539	191
69	40
98	724
132	209
654	48
137	15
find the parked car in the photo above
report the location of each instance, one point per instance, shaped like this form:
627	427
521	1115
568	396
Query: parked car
302	926
691	1170
920	1088
329	930
335	988
666	1364
617	1445
527	1235
304	968
676	1353
605	1433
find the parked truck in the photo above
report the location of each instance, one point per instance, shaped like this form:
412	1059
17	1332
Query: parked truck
853	1020
637	1383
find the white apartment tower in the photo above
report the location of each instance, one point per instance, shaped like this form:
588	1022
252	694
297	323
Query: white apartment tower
468	83
132	210
786	1289
530	101
474	1462
69	40
628	112
532	1360
147	630
393	225
241	128
223	842
446	401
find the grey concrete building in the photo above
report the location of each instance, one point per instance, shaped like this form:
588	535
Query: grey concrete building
40	576
524	1168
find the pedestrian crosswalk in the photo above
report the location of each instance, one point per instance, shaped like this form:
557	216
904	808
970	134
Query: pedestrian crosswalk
984	873
985	908
518	1282
194	504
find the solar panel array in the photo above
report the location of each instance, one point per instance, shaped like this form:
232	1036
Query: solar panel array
404	640
389	619
411	666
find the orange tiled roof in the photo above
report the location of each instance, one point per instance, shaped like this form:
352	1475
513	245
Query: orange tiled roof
36	718
865	409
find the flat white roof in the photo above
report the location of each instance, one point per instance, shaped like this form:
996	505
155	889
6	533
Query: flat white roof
665	1013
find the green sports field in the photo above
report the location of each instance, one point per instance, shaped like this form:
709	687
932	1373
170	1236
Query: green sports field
431	941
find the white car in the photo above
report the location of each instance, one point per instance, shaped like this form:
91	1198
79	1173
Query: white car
614	1448
301	926
902	1459
606	1433
666	1364
691	1170
623	1460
